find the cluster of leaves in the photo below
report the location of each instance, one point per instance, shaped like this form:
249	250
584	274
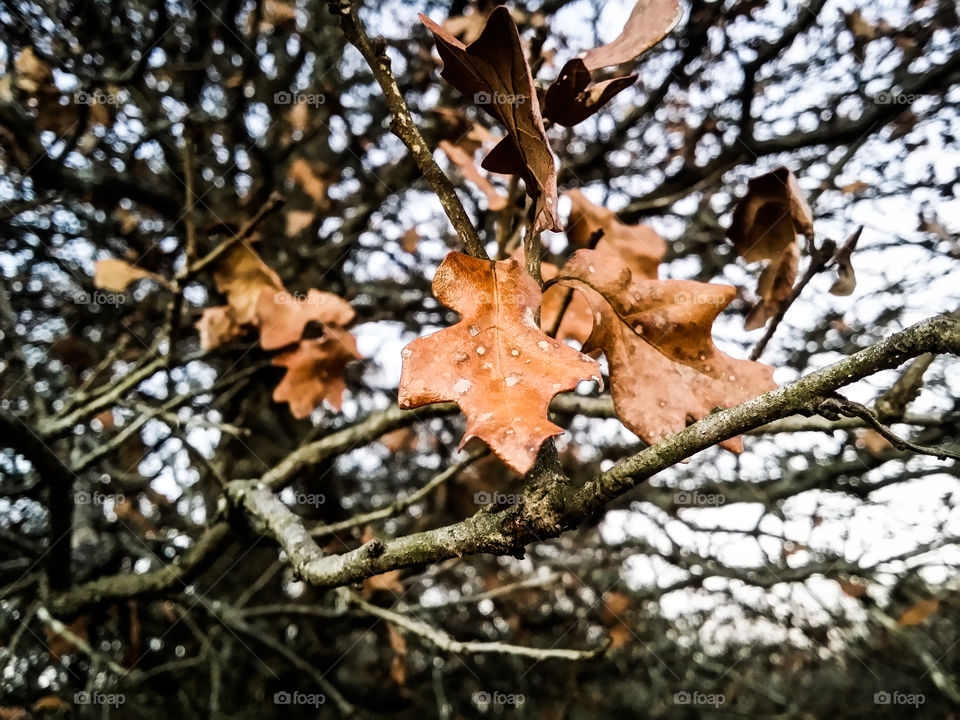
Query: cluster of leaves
258	301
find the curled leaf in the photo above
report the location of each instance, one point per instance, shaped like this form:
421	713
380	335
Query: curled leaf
216	327
846	281
665	370
493	73
648	24
242	276
496	363
571	98
766	225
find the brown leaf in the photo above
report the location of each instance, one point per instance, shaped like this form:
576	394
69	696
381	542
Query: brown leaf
577	321
409	240
298	221
571	98
216	327
774	286
496	363
242	276
852	588
58	645
919	612
13	713
115	275
303	174
282	317
846	281
855	187
315	372
464	160
656	334
49	703
640	246
872	441
388	581
765	226
648	24
492	72
398	665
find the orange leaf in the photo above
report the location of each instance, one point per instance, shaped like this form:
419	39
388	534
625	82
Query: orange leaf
49	702
853	589
919	612
464	160
315	372
242	276
298	221
398	665
648	24
639	245
304	175
409	240
115	275
283	316
493	74
496	363
656	334
216	327
765	226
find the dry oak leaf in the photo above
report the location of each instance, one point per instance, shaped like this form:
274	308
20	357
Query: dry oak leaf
571	98
216	327
496	363
306	177
464	160
298	221
846	281
640	246
766	224
648	24
493	73
115	275
919	612
282	316
315	372
665	371
242	276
